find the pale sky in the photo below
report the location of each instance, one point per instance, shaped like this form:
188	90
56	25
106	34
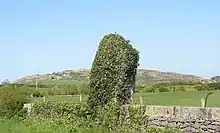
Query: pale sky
44	36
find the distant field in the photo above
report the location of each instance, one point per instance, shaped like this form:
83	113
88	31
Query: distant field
192	98
165	98
55	82
61	98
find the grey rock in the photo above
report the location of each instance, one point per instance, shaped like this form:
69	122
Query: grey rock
218	128
215	123
196	125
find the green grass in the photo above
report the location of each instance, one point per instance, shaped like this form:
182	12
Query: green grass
11	126
191	98
55	82
60	98
32	126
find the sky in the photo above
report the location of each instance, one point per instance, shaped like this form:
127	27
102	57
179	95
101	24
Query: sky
43	36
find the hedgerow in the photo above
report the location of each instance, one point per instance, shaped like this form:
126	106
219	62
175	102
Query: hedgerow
12	100
131	119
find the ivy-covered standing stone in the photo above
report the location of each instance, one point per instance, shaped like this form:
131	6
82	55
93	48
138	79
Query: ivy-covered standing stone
113	71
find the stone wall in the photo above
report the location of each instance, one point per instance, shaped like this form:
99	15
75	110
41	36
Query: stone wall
187	119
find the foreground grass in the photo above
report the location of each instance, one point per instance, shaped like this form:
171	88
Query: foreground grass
191	98
11	126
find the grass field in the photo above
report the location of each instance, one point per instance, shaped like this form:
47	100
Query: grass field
11	126
192	98
55	82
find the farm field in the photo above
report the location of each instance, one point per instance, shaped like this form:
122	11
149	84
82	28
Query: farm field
55	82
191	98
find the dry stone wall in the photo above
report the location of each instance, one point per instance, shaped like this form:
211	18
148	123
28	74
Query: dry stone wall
187	119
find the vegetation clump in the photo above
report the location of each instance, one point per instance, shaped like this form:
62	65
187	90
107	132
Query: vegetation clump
12	100
113	71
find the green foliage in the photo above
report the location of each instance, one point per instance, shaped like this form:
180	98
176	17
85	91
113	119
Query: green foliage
215	78
64	90
163	89
214	86
115	62
12	101
200	87
145	88
37	94
178	87
58	110
110	118
33	126
181	88
74	89
5	82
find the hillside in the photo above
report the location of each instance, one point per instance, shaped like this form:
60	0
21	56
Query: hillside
82	75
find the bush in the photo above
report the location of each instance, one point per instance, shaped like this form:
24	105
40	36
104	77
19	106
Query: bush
76	89
213	86
200	87
52	110
181	88
163	89
37	94
110	118
12	100
113	70
149	89
140	88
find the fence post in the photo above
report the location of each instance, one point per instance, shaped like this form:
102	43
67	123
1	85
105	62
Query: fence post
80	97
44	99
202	102
141	100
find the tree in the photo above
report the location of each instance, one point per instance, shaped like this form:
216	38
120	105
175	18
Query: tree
6	81
113	71
215	78
12	100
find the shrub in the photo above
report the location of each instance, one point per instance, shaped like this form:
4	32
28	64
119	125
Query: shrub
75	89
127	119
200	87
12	100
149	89
114	65
140	88
37	94
163	89
213	86
181	88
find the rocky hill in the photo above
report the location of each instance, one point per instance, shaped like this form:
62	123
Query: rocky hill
82	75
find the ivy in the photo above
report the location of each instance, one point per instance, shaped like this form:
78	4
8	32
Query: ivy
113	70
